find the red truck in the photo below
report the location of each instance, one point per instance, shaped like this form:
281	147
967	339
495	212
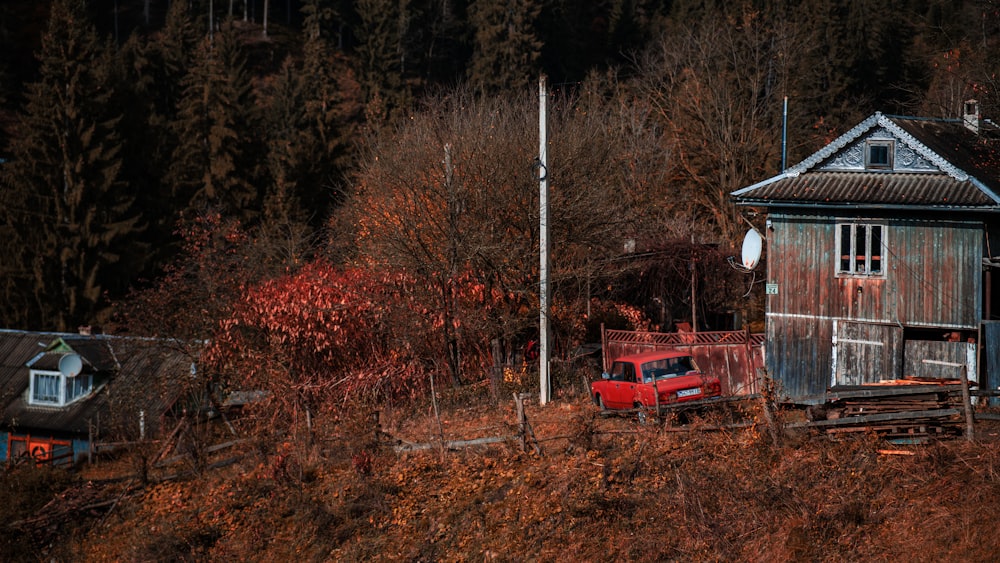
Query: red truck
634	381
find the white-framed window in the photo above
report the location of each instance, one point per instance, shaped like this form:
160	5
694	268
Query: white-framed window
51	388
861	249
878	155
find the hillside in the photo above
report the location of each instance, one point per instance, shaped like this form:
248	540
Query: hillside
602	489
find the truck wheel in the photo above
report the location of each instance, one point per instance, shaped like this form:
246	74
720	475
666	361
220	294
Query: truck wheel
600	403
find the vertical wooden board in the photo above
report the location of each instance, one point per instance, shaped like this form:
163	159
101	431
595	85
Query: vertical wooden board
935	273
916	351
798	355
868	353
991	356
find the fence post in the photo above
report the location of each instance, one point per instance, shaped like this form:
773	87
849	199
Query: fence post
519	408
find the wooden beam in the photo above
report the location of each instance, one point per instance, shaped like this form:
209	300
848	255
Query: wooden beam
882	417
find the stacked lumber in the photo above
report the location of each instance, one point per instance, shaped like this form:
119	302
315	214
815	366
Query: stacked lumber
903	410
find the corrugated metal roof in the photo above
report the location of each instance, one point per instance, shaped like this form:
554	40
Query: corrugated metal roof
148	372
977	154
872	188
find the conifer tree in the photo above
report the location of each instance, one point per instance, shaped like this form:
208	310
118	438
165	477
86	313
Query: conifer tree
381	57
443	39
62	195
317	131
283	229
155	68
215	164
507	45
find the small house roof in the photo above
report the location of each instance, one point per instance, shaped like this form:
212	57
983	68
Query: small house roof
938	164
143	365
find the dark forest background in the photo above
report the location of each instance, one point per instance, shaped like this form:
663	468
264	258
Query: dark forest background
402	134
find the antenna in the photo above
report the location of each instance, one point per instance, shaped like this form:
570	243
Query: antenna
752	246
70	365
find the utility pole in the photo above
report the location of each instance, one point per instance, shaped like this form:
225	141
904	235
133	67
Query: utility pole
694	285
784	133
544	293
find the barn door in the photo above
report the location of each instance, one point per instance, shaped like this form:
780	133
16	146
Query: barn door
866	353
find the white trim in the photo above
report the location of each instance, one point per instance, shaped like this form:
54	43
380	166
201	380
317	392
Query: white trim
62	384
870	321
60	388
772	180
867	342
833	354
972	367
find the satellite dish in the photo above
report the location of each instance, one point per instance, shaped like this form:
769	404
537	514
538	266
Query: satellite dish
70	365
752	245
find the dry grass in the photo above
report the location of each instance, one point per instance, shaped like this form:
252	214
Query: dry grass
602	490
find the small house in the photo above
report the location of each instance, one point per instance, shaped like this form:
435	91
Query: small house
60	393
881	250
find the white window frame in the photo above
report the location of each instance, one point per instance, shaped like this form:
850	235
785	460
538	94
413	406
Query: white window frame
63	383
869	254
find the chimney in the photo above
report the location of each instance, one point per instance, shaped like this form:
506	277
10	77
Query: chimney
970	116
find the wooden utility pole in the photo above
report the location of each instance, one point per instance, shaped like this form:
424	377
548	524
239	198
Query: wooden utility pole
544	292
970	431
694	292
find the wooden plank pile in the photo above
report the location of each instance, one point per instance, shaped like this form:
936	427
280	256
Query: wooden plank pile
903	410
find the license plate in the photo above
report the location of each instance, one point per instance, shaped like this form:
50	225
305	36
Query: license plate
689	392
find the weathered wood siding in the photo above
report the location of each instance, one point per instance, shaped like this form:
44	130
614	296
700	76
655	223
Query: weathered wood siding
991	357
932	280
798	355
953	352
867	353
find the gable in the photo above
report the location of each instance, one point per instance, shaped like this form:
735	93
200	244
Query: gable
889	161
903	157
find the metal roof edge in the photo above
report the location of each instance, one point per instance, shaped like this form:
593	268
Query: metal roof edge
771	180
983	188
911	141
856	205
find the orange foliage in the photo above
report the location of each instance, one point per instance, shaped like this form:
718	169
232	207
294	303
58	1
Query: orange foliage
325	333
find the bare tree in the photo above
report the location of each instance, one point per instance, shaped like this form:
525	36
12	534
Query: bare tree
717	89
451	196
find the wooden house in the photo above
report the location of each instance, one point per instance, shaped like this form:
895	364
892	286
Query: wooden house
881	249
59	393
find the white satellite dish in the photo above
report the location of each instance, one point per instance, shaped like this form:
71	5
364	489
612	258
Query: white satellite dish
752	246
70	365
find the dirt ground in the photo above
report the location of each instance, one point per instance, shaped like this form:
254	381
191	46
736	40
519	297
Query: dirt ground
586	488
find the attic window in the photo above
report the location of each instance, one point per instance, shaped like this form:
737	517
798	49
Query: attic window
53	389
860	249
878	155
